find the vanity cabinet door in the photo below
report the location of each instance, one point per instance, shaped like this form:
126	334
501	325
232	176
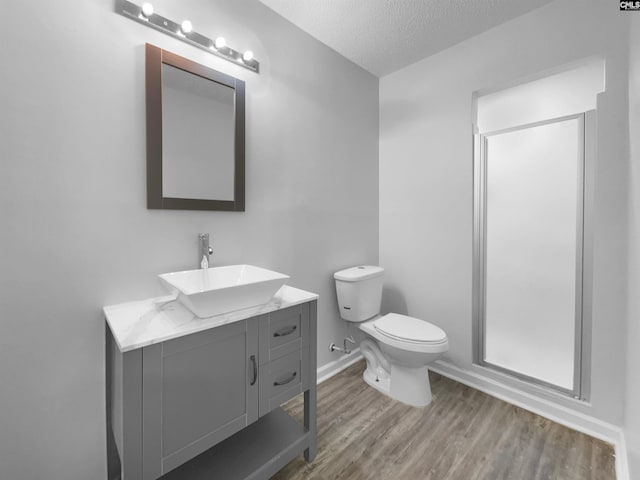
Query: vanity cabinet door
197	390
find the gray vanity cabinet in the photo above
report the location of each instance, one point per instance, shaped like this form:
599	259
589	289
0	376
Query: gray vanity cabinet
209	401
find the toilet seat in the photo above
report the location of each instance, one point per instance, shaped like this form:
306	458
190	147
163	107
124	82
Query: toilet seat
409	329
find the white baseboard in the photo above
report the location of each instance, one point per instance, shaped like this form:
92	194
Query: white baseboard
560	414
332	368
622	459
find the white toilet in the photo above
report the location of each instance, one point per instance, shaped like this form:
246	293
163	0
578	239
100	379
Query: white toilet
397	348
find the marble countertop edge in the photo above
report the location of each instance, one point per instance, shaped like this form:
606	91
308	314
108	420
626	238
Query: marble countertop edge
146	322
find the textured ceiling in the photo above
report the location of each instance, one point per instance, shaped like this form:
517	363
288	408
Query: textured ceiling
385	35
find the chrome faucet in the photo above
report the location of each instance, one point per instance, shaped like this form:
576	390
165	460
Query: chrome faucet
205	250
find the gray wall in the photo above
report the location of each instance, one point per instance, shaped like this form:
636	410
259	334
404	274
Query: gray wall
632	410
76	234
426	173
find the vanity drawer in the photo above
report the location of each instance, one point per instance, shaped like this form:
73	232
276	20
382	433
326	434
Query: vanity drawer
284	328
283	332
283	379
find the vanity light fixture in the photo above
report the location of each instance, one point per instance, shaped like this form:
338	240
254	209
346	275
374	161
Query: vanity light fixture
220	43
147	10
184	31
186	27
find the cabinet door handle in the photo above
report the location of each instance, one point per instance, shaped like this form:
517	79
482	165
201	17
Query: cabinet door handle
283	332
255	369
284	382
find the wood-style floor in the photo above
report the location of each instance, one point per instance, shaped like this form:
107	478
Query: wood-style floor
463	434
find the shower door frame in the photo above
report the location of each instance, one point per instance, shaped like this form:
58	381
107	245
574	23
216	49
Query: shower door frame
583	285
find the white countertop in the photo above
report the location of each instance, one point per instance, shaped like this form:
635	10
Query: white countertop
139	324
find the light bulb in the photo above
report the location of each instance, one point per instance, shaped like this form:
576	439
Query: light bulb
186	26
247	56
220	42
147	9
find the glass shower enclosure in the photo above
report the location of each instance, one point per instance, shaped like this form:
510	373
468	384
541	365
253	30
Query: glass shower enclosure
529	251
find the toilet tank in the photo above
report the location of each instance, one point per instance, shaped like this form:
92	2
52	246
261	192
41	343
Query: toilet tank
359	291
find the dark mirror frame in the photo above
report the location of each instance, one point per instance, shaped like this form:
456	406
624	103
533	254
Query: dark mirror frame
155	58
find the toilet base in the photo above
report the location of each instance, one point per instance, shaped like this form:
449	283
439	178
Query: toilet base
376	381
407	385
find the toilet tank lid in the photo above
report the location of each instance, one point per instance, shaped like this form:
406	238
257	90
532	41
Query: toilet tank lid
361	272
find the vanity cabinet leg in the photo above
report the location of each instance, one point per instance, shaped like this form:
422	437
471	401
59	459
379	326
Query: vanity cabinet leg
310	422
310	400
124	409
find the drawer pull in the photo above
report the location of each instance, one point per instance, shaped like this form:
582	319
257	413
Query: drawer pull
279	383
283	332
255	369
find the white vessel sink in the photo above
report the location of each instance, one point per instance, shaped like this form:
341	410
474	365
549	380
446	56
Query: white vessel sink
213	291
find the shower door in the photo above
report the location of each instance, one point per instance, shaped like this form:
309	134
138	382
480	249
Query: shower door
529	251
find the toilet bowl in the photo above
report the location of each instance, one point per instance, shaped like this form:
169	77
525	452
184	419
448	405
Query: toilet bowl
397	348
408	345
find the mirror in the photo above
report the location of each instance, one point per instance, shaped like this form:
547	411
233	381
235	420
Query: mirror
195	135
